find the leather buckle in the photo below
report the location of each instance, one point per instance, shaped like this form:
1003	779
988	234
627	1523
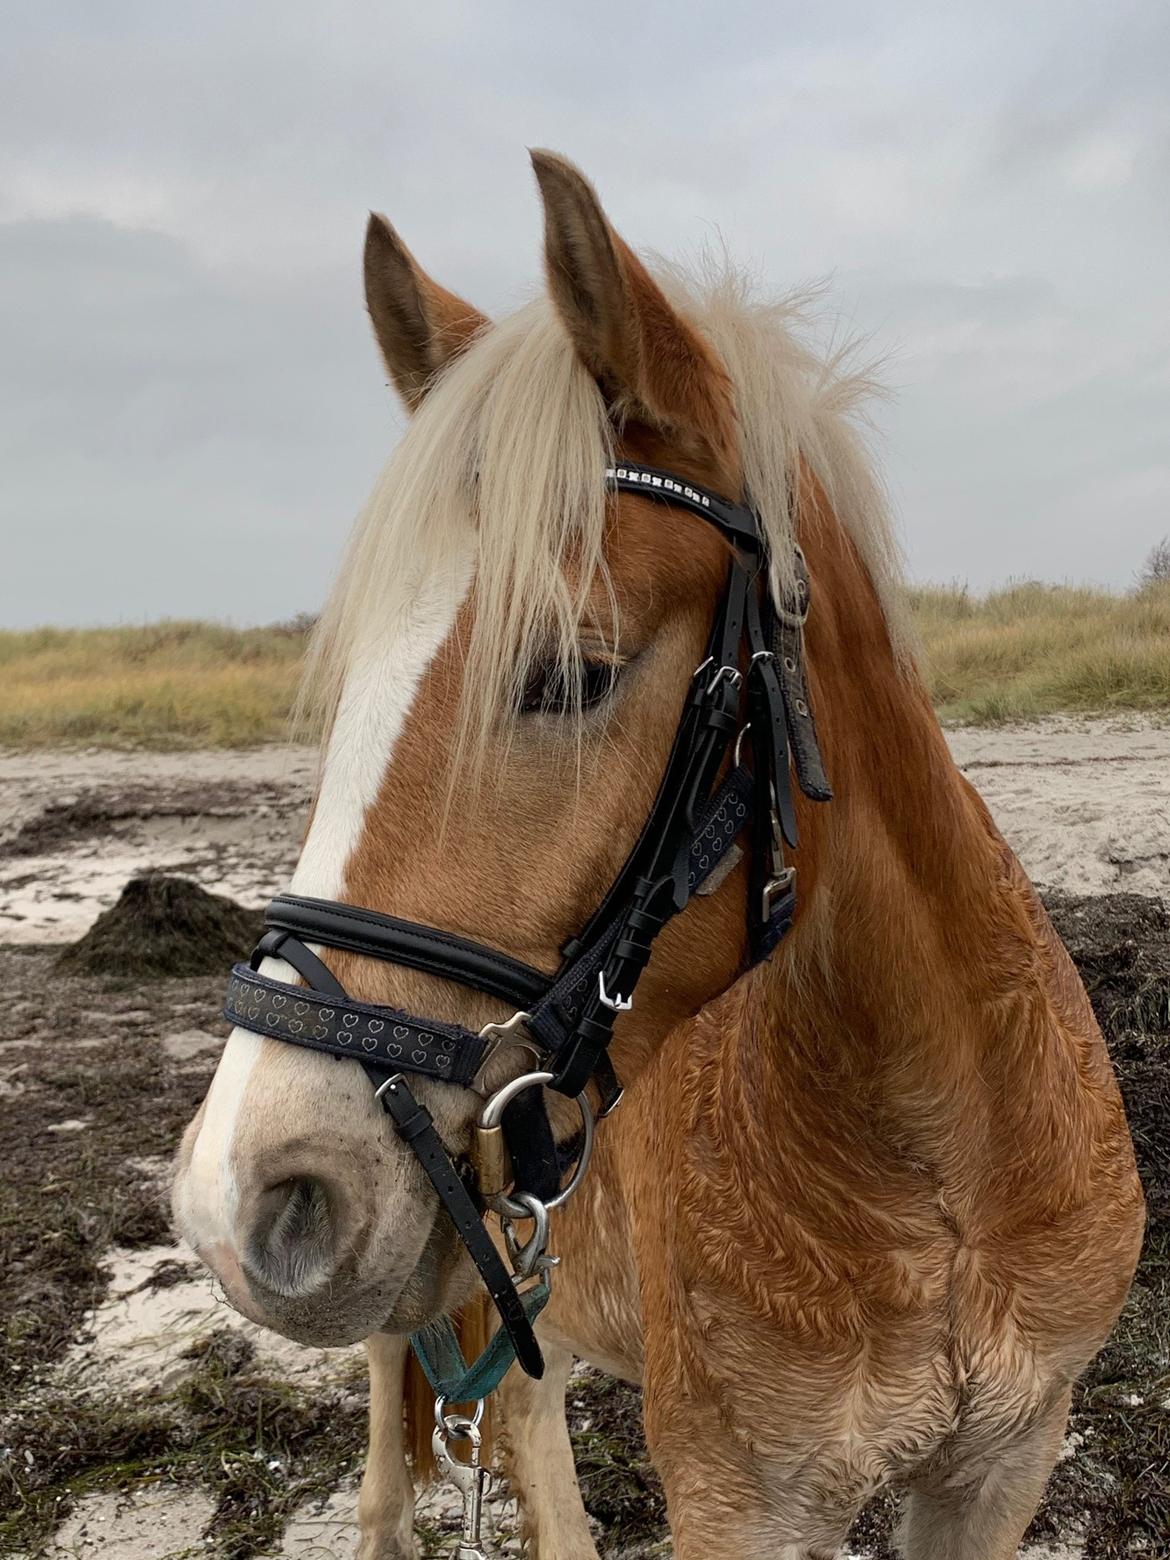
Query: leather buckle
731	674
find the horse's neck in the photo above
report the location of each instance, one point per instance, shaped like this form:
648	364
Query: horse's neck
921	1004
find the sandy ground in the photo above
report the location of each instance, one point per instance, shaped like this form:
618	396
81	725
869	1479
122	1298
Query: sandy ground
74	826
1085	804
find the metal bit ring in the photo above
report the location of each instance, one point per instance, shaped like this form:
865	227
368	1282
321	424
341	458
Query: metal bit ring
491	1115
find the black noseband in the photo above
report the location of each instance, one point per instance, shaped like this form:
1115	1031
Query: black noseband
568	1018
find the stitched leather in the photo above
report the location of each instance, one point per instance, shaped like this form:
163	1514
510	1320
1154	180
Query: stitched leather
788	644
380	1035
406	942
531	1145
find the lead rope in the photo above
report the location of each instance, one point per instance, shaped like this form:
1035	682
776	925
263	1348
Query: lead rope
436	1347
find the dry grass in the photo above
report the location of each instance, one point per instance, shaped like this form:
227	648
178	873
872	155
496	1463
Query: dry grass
164	685
1032	649
1018	653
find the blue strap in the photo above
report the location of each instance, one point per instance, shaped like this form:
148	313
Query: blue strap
437	1350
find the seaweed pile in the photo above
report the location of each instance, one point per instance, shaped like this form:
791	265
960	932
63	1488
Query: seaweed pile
164	926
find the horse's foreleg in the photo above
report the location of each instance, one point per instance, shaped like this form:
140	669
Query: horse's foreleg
724	1509
538	1459
983	1515
386	1502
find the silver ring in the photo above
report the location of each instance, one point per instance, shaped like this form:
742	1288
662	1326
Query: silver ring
490	1116
458	1425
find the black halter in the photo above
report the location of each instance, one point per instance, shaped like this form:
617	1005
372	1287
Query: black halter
568	1019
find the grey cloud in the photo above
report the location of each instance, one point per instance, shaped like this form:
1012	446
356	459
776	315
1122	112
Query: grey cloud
190	407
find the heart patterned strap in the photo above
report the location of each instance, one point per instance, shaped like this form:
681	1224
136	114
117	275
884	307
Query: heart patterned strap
384	1036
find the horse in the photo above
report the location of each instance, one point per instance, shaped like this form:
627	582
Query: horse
869	1205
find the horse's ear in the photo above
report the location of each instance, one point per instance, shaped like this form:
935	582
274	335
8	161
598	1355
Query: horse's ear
649	362
420	326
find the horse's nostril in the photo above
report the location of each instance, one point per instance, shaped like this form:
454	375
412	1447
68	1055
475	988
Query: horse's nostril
291	1244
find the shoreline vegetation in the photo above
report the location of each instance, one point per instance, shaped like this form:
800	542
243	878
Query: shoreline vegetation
1015	654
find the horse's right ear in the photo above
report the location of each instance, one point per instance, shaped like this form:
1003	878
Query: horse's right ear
651	365
420	326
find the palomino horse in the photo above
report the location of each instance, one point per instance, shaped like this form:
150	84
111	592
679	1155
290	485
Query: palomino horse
870	1204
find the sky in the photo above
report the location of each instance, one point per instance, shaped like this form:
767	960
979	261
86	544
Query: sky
191	407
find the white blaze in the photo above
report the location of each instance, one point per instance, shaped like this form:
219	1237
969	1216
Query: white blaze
378	693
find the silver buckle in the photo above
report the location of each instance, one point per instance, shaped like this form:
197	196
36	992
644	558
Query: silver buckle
505	1033
773	888
615	1004
391	1083
731	674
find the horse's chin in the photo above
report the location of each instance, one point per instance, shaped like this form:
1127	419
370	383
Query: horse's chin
348	1315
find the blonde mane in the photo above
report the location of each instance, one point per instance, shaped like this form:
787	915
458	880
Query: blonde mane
509	450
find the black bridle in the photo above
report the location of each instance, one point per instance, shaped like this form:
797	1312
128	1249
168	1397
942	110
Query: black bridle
751	685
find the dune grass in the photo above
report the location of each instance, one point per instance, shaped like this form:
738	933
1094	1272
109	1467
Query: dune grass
162	685
1015	654
1032	649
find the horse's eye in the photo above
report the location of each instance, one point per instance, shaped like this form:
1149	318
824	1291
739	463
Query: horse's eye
546	691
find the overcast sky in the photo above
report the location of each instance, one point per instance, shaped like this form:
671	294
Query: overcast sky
191	409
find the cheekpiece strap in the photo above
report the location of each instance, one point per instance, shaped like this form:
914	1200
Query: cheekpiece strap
719	825
788	645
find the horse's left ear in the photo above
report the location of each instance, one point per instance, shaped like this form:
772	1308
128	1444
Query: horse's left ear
420	326
649	362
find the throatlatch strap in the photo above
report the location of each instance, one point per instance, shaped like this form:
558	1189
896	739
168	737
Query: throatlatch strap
788	620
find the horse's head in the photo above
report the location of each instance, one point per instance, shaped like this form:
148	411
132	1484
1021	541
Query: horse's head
504	662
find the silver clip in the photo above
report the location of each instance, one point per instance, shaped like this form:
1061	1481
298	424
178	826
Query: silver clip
469	1478
529	1258
511	1031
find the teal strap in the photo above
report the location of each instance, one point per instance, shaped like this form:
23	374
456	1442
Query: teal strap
437	1350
